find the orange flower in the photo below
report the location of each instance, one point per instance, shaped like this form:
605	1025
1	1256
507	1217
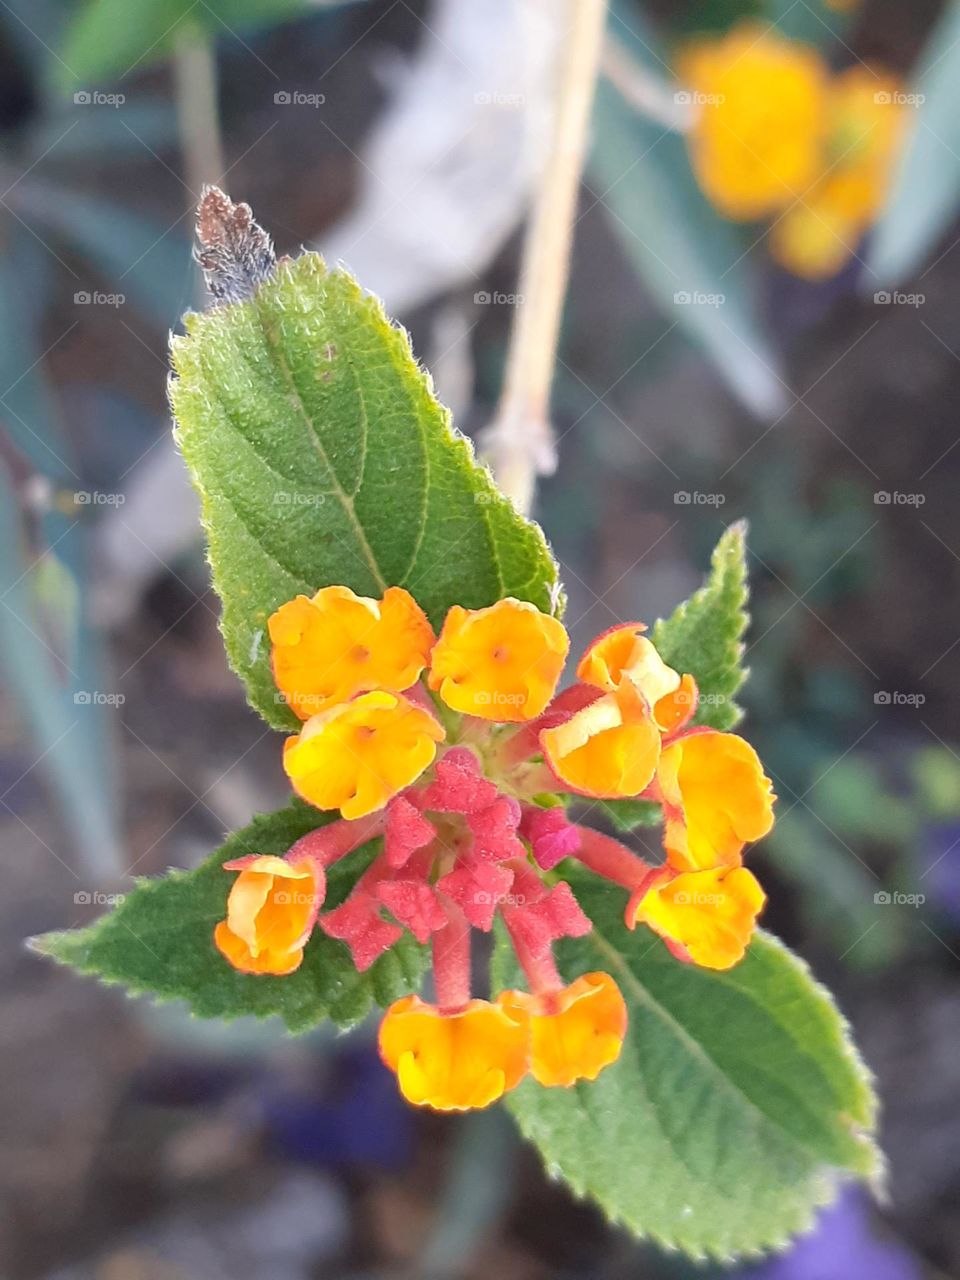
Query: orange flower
575	1032
716	798
707	916
623	652
609	748
271	911
456	1060
339	644
756	142
356	756
500	663
823	229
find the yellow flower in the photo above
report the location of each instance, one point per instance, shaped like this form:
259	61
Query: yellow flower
500	663
609	748
270	913
455	1060
624	652
716	798
337	644
356	756
757	137
823	229
704	916
574	1032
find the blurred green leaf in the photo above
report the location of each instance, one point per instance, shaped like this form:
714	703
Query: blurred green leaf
812	21
323	457
696	265
736	1106
925	194
69	736
159	941
111	38
148	263
72	134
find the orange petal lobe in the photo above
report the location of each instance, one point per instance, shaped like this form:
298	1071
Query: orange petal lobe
500	663
576	1032
271	911
459	1060
356	756
716	799
711	915
337	644
609	748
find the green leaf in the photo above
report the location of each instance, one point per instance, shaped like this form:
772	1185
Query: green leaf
106	39
322	456
627	815
695	265
736	1105
159	941
812	21
703	636
925	193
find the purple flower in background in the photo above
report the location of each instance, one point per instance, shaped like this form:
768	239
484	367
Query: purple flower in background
843	1246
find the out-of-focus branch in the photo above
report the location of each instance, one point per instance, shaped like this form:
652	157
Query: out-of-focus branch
519	443
195	82
654	97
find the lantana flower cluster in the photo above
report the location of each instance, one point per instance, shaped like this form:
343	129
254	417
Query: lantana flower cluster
459	754
778	135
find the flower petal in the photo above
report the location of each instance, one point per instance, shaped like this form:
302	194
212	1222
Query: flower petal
500	663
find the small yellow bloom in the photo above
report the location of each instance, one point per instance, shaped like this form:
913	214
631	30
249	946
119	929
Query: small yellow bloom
337	644
625	653
459	1060
716	799
270	912
708	915
500	663
756	141
575	1032
609	748
356	756
823	229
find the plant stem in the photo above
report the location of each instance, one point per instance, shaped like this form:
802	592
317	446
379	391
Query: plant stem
519	443
651	95
195	84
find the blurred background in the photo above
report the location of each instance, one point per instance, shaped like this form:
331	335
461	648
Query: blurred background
710	368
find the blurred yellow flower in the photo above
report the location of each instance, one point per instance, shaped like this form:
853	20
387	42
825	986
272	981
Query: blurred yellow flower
756	143
822	229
